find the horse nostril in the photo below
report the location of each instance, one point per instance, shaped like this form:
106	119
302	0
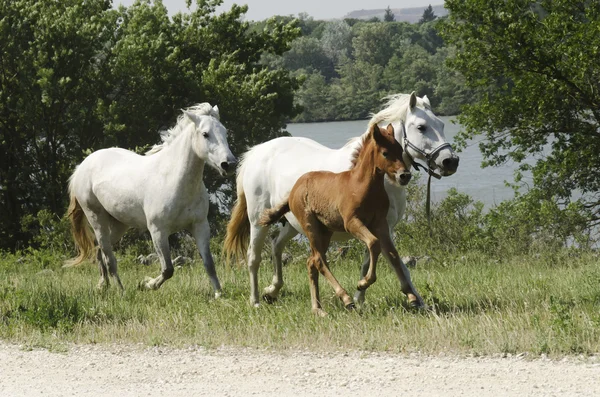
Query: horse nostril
225	165
450	163
405	177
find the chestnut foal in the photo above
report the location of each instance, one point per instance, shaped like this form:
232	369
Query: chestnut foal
353	201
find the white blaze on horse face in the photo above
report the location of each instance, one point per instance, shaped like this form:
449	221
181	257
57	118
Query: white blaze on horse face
211	145
426	131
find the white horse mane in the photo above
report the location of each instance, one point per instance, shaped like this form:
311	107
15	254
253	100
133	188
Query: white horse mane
395	109
168	136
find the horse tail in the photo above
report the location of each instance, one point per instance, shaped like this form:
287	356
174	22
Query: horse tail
272	215
238	229
80	228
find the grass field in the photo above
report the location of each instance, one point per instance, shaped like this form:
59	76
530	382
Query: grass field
548	303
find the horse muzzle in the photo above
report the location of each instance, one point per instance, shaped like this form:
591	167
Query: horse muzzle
449	166
403	178
228	167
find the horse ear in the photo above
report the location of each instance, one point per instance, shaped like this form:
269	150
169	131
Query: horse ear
390	130
426	101
376	133
216	110
413	100
192	116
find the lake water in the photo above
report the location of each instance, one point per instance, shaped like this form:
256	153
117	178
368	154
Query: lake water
482	184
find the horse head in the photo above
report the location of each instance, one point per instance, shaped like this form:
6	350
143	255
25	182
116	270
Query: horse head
388	154
210	140
421	134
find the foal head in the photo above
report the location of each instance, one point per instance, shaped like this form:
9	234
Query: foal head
386	152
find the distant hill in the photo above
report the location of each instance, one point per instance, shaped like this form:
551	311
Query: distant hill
411	15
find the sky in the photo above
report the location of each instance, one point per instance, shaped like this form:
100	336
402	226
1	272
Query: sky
318	9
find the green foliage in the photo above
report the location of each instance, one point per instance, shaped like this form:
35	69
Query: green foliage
534	66
363	61
529	224
76	76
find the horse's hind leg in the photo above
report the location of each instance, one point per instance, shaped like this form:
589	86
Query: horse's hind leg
286	233
107	230
201	232
257	239
104	282
160	240
390	253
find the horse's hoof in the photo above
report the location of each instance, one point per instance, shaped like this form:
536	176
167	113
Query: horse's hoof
269	299
417	304
362	285
218	294
145	284
320	312
350	306
359	298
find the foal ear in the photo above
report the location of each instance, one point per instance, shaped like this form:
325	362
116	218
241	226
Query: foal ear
390	130
377	134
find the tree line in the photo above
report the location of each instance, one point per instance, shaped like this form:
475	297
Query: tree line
347	66
522	75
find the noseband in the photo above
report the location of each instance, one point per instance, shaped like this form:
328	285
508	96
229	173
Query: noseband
428	156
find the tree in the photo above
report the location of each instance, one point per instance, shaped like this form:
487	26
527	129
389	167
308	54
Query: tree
535	68
389	15
78	76
372	42
428	15
337	40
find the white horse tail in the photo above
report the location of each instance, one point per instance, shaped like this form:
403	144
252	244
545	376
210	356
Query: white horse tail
238	228
272	215
82	234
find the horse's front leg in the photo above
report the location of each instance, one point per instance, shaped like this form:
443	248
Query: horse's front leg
161	244
201	232
361	232
359	295
390	253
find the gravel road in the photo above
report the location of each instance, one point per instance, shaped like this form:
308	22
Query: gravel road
131	370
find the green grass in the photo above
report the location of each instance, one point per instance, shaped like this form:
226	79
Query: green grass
479	305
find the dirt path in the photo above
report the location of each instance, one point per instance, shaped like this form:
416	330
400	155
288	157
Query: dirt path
138	371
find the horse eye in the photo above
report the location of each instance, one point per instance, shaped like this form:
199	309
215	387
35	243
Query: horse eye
422	128
205	134
385	154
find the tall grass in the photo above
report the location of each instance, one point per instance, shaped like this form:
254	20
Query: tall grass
478	304
521	278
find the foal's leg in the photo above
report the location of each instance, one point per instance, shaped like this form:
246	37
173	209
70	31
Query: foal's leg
319	238
390	253
360	231
286	233
161	245
359	295
257	239
201	232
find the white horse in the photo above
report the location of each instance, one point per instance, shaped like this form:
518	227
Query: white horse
268	172
115	189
